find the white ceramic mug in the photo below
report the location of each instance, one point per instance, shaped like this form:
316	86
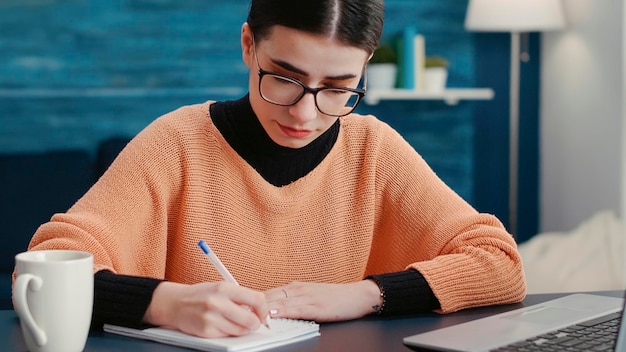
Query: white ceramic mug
53	296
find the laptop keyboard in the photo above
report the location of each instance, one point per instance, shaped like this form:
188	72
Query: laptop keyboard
598	334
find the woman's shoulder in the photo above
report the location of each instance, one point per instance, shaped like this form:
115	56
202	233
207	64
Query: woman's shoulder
182	123
368	127
182	128
375	137
362	121
186	115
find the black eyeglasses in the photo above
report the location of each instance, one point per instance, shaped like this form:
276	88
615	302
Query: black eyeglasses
286	91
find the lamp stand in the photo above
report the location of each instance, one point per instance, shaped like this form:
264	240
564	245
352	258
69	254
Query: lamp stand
514	131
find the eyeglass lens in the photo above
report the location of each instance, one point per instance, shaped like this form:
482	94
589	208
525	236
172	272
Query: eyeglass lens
283	91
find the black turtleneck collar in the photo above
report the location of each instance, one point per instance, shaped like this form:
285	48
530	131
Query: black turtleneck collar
278	165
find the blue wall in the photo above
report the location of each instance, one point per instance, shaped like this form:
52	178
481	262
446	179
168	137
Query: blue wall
491	126
77	72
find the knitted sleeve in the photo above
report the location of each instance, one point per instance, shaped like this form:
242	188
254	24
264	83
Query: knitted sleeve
467	258
121	299
405	292
127	208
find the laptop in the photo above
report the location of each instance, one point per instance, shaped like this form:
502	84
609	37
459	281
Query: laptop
538	327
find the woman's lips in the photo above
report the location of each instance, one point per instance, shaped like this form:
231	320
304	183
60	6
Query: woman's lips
294	133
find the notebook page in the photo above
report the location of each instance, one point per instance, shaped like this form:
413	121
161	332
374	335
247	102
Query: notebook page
282	332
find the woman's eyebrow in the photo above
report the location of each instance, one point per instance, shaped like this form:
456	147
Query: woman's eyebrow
289	67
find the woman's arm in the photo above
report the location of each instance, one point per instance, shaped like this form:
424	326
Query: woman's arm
121	299
211	309
404	292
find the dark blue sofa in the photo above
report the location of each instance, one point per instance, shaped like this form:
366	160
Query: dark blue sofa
35	186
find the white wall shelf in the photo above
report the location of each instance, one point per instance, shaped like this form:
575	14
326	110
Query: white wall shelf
449	96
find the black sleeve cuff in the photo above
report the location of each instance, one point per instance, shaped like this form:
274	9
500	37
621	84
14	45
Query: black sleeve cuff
121	299
405	292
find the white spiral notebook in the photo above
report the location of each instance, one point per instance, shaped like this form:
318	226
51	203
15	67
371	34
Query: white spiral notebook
281	332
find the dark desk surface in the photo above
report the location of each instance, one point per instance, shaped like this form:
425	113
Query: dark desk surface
368	334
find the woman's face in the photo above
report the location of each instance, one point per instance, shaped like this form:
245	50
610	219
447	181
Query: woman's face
313	60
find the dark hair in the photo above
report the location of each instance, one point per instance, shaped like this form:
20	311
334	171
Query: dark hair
356	23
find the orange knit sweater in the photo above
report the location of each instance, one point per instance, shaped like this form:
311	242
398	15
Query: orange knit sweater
372	206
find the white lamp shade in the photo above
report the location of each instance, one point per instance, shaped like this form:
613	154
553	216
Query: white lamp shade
514	15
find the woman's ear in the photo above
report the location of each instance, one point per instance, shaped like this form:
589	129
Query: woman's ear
247	45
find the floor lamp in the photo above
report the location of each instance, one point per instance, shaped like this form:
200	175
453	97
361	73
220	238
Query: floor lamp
516	17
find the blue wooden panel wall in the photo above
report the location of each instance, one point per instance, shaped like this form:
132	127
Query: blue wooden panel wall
75	72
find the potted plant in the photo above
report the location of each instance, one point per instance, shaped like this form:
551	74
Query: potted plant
382	68
436	72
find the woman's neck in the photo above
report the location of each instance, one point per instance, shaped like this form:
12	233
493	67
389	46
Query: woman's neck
278	165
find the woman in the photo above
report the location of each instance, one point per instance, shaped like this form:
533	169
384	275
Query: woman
319	213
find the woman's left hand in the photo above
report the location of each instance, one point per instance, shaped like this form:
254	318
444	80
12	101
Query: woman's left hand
324	302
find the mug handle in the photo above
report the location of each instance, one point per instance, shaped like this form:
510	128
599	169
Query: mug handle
21	305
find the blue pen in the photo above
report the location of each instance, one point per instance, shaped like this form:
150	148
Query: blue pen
217	263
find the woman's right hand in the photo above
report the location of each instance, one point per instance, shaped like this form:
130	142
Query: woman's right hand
208	309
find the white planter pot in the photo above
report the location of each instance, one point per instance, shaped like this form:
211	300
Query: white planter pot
436	78
381	76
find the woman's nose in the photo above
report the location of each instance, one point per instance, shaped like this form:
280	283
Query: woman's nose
305	109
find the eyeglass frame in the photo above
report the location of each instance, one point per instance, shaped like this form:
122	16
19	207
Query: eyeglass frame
360	92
